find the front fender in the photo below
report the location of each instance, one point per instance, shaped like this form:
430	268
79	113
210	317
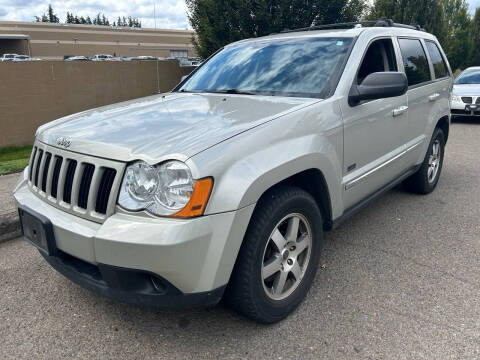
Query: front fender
246	166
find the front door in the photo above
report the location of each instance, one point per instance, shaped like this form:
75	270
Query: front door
375	132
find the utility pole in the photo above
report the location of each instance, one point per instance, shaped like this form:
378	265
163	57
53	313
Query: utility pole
154	14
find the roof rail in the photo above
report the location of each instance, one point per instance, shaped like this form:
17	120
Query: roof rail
384	22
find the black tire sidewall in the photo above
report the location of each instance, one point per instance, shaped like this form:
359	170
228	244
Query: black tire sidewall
278	309
437	135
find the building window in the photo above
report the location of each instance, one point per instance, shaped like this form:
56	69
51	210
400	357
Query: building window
178	54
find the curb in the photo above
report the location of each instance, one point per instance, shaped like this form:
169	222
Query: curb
9	226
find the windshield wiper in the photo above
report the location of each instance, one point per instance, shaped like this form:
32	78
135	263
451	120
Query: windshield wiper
231	91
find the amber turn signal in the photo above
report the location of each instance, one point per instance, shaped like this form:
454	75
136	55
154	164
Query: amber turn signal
196	206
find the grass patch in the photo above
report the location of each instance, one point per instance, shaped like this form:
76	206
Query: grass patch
14	158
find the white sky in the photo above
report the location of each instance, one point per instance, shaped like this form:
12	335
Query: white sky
171	14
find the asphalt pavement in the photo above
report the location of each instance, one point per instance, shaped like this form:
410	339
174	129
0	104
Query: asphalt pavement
399	280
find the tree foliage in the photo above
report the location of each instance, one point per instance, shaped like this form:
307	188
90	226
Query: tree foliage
449	20
219	22
426	13
99	19
50	16
475	39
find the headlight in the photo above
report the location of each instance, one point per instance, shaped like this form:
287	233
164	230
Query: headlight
456	98
166	189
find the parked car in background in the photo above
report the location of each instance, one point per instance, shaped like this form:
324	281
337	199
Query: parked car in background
24	58
77	58
127	58
189	61
466	93
101	57
21	58
146	58
227	183
8	57
114	58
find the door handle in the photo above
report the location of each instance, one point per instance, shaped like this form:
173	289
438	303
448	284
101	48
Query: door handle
434	97
400	110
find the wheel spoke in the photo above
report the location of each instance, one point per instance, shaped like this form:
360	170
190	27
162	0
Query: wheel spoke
279	240
303	244
279	283
296	271
273	266
292	228
430	172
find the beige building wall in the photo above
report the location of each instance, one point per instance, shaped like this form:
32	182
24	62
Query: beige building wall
54	41
34	93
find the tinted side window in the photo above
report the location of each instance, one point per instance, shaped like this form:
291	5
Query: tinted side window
415	61
439	66
380	57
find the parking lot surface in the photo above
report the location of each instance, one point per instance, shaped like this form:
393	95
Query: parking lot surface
399	280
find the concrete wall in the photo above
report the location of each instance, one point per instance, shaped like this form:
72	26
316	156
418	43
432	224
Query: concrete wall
33	93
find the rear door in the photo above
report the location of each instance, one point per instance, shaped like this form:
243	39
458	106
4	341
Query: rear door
427	96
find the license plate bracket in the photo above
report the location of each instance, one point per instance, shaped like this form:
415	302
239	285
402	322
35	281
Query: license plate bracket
37	230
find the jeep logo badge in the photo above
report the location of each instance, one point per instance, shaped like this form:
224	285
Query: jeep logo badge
62	141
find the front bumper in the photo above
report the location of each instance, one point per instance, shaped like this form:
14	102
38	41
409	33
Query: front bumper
459	108
154	261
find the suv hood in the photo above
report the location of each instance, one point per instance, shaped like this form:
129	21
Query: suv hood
466	89
157	127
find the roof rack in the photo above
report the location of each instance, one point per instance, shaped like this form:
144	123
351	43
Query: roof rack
384	22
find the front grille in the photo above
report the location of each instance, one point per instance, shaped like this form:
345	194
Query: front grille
79	184
478	101
467	99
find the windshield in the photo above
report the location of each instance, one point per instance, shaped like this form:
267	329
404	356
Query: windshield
292	67
469	77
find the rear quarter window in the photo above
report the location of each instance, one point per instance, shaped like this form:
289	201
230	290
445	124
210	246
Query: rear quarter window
438	62
414	61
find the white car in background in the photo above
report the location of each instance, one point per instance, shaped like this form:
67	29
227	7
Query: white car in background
77	58
466	93
8	57
101	57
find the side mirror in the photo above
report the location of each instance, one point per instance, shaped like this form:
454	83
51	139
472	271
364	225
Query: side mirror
379	85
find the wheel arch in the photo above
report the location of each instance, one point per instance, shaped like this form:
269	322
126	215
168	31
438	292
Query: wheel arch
313	182
444	124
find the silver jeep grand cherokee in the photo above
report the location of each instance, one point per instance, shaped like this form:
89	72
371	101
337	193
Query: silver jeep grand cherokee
224	186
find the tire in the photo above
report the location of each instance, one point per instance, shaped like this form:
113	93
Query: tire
254	293
423	182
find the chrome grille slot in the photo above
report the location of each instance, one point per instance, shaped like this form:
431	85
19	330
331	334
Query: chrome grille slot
478	101
87	175
67	190
46	168
104	190
80	184
32	161
56	174
467	99
37	165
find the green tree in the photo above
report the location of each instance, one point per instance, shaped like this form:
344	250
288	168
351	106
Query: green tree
52	17
426	13
457	41
219	22
474	58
